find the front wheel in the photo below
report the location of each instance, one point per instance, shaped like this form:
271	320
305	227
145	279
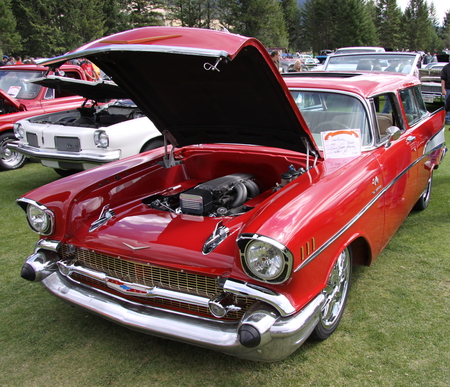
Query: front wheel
9	160
336	294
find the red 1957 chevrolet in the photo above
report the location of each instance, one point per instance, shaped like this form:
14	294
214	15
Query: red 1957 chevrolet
239	235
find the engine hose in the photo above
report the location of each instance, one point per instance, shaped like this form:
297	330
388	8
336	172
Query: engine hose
241	195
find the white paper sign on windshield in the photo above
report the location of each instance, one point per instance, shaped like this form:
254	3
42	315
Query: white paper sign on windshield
13	91
341	143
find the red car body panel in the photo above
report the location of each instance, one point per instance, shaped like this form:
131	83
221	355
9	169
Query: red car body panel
129	209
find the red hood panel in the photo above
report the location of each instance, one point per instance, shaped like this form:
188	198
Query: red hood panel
11	100
160	238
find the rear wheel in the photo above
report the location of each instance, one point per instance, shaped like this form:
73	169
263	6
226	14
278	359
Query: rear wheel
9	160
424	199
336	294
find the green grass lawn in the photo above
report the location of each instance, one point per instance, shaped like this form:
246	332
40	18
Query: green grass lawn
395	331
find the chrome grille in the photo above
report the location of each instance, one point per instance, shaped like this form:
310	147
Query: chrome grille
149	275
431	88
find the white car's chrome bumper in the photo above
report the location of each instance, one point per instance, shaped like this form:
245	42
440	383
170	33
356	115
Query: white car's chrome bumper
102	157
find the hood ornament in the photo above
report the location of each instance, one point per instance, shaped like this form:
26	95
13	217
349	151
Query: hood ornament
217	237
135	247
105	215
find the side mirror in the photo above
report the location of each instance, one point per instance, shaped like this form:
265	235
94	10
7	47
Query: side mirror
393	134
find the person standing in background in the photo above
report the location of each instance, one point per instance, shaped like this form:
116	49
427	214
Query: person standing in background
445	83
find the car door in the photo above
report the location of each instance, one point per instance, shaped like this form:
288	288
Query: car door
401	166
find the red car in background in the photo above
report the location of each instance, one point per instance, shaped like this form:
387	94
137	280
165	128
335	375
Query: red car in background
20	99
240	234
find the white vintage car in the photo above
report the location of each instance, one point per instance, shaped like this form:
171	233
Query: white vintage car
91	135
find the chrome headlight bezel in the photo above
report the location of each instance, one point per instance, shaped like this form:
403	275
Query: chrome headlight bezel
19	131
265	259
101	139
40	219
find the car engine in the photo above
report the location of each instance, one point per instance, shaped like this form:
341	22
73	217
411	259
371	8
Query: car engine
223	196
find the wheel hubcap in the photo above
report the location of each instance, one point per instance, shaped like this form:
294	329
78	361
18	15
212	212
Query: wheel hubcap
336	290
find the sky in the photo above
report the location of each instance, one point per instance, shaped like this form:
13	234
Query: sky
441	7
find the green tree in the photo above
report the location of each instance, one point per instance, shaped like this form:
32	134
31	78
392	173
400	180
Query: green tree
262	19
143	13
191	13
353	25
52	27
388	24
317	24
418	29
9	37
446	30
337	23
116	17
291	14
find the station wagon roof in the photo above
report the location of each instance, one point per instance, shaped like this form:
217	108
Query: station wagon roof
363	84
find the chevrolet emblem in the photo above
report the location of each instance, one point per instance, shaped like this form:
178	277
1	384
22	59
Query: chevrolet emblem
135	248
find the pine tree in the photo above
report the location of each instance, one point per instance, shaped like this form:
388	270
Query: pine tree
418	29
52	27
261	19
388	24
9	37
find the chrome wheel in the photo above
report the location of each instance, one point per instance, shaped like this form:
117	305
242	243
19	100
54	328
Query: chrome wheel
9	159
336	294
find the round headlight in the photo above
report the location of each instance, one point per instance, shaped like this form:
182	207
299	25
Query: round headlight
101	139
19	131
264	260
39	219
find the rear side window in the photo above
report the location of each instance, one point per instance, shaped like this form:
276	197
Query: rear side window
413	105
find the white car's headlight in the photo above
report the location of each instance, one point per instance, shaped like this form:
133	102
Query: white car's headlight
40	218
101	139
265	259
19	132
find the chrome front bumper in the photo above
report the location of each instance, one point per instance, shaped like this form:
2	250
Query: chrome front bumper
74	157
280	336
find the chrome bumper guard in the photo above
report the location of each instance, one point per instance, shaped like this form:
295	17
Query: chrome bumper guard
75	157
279	336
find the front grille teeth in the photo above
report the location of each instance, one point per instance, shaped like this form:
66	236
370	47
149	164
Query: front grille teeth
150	276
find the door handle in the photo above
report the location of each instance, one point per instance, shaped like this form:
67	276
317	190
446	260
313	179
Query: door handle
410	138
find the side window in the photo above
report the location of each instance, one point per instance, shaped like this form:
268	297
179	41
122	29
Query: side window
413	104
49	93
420	102
386	112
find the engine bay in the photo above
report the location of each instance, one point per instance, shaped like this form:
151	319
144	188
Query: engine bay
93	116
224	196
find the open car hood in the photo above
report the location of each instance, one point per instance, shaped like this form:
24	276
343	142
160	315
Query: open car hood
11	100
97	91
201	86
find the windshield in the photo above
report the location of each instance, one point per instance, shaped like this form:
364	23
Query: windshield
15	83
325	112
394	63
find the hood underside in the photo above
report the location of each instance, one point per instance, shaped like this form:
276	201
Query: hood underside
202	86
97	91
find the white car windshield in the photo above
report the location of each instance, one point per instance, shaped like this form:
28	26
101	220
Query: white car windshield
373	62
15	83
325	112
